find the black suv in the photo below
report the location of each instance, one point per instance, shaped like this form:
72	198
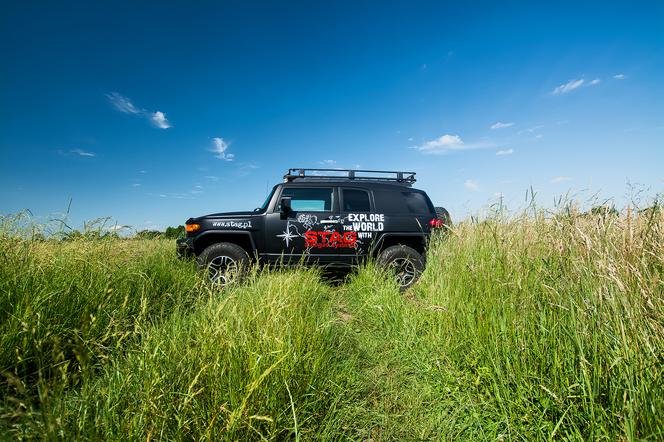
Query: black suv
330	217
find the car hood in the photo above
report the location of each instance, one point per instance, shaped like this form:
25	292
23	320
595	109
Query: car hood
223	215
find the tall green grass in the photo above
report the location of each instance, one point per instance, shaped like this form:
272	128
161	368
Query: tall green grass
523	328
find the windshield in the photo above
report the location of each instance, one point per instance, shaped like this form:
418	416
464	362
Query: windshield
263	206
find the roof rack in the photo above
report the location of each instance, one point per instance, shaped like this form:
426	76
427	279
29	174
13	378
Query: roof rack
406	178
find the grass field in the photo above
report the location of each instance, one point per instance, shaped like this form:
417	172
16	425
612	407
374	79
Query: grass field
527	328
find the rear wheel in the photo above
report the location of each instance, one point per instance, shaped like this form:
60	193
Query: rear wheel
443	215
225	263
404	263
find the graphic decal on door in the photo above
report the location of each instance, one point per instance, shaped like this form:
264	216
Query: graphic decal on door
321	234
307	220
324	239
289	234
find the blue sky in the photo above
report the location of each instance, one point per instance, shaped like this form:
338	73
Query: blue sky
155	112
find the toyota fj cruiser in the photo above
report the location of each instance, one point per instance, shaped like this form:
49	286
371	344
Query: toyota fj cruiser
326	217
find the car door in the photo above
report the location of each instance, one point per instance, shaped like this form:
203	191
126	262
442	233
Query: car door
358	216
309	230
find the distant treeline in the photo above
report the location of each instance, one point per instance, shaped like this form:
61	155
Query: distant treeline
169	233
90	234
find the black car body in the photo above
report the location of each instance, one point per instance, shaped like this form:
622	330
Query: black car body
337	220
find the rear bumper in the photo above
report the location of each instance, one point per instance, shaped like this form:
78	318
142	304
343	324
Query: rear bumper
184	247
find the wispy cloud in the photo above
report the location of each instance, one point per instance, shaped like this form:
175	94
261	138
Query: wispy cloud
620	76
471	185
500	125
220	147
568	87
122	103
505	152
447	143
159	119
179	196
328	162
126	106
574	84
83	153
531	129
211	177
560	179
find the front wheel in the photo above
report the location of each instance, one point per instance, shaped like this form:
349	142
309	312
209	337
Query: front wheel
404	263
225	263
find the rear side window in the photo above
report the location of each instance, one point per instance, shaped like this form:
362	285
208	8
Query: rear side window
356	200
310	199
416	202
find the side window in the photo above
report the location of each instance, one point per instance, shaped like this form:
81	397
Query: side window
356	200
309	199
416	202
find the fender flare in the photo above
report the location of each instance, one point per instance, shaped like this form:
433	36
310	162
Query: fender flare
375	247
208	233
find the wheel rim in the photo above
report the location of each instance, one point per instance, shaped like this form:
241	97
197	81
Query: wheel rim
222	270
404	271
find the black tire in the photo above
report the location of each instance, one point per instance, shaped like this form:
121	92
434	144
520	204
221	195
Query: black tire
225	263
443	215
404	262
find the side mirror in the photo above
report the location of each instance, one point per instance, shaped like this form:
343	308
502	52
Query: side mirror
286	205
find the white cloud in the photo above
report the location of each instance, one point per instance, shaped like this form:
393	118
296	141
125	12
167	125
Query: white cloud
619	76
122	103
531	129
118	227
328	162
471	185
568	87
447	143
136	185
159	119
211	177
560	179
220	148
505	152
500	125
82	153
574	84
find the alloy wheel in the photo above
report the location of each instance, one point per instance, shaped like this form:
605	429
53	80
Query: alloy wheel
404	271
223	270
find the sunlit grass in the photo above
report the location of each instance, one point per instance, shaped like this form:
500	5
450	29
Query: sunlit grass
523	328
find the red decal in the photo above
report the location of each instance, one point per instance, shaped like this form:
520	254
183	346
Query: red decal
324	239
350	238
310	238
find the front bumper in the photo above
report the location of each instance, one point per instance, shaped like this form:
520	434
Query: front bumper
184	247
